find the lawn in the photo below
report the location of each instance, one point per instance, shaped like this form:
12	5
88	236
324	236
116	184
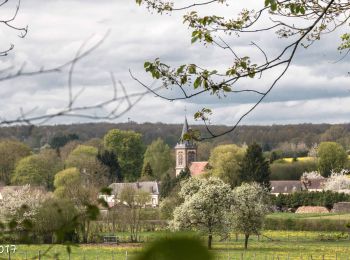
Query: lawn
331	216
272	245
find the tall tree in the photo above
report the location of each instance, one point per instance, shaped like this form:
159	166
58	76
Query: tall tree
158	155
205	207
110	160
167	185
203	151
135	201
38	169
59	141
224	160
331	156
129	147
67	149
85	159
147	172
11	151
249	209
254	167
55	221
70	185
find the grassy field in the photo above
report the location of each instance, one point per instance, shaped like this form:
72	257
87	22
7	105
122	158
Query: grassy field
331	216
272	245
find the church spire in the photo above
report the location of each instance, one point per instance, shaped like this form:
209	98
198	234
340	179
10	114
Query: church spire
186	150
185	129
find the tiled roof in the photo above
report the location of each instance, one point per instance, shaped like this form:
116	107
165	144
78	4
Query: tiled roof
315	184
198	168
285	186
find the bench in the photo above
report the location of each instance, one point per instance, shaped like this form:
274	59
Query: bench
110	239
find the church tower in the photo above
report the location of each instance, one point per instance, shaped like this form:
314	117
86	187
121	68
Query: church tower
185	150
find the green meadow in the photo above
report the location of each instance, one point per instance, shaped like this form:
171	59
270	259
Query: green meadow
270	245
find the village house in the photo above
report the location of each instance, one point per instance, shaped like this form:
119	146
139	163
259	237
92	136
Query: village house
290	186
285	187
314	184
150	187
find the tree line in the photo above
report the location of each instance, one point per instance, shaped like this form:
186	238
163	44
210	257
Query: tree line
290	139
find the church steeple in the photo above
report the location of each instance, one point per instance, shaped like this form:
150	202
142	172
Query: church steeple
185	129
186	150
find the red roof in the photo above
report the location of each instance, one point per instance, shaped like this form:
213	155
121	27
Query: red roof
198	168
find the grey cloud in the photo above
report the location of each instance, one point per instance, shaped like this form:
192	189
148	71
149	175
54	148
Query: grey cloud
58	28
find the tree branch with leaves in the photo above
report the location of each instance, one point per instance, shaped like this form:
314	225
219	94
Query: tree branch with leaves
296	23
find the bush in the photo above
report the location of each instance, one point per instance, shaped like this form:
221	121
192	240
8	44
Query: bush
292	224
297	199
333	237
291	171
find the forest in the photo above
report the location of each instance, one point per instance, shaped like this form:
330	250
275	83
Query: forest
293	139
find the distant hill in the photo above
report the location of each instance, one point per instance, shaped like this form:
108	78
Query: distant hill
270	137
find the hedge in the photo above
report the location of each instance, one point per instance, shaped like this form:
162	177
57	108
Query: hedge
304	198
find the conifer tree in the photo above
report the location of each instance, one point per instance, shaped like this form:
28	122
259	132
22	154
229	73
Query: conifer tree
167	185
147	172
254	167
110	160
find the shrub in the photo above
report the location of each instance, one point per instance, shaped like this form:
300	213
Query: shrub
292	224
291	171
297	199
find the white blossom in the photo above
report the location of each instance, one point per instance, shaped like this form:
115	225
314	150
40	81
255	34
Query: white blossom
205	208
25	197
312	175
249	208
338	181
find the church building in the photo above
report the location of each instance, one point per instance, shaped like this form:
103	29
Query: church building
186	154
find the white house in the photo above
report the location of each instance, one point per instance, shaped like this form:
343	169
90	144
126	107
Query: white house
151	187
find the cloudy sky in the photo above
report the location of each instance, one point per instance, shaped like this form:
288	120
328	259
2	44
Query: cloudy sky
315	89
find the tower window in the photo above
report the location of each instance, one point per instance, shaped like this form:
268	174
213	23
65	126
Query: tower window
180	158
191	156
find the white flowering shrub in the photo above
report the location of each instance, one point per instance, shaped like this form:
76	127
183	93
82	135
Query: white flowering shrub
21	202
338	181
312	175
249	209
205	208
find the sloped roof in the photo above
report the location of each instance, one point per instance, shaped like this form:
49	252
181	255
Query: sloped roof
147	186
198	168
182	141
184	129
315	184
285	186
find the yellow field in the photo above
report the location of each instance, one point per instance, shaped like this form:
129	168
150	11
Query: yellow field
302	159
299	159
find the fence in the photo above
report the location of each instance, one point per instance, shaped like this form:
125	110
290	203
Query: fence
223	256
272	245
